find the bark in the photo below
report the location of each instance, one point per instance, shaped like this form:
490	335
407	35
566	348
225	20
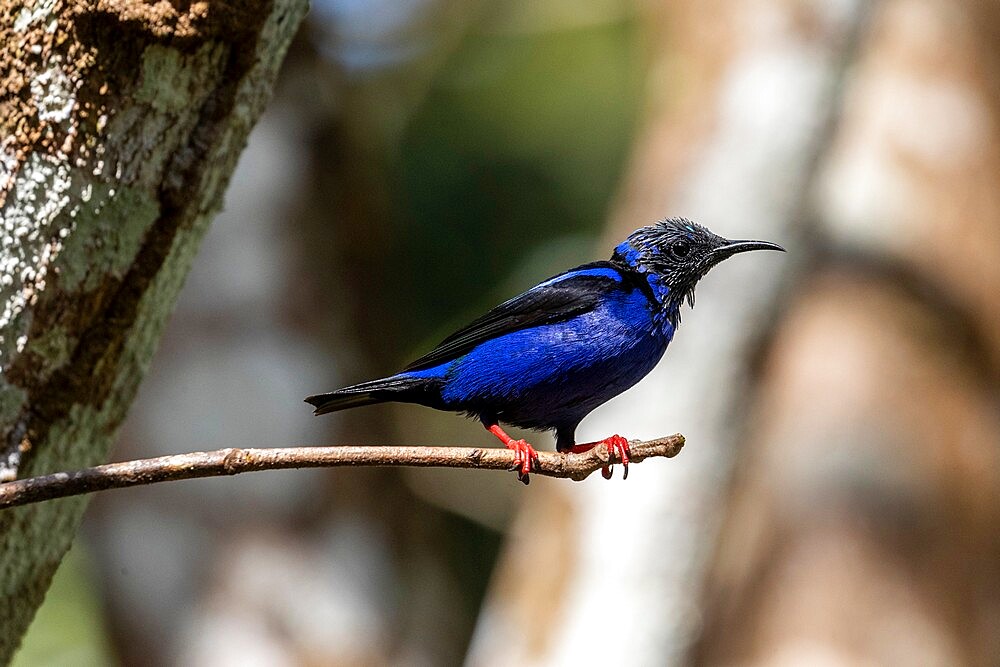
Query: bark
121	123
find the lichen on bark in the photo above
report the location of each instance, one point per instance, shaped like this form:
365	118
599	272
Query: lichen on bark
120	124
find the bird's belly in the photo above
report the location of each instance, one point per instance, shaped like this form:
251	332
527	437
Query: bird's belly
556	374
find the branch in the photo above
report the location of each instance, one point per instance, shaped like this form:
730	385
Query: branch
235	461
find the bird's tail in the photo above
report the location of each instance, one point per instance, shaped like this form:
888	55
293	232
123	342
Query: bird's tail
402	388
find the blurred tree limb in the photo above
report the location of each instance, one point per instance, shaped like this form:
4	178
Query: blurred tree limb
708	149
120	125
234	461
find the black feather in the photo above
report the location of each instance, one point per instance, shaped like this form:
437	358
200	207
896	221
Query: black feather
395	388
545	304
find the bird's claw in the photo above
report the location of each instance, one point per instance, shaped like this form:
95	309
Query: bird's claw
615	444
525	459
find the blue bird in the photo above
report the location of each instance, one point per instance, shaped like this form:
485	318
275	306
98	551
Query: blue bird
546	358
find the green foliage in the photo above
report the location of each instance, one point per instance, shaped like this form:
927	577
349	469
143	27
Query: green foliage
68	628
521	139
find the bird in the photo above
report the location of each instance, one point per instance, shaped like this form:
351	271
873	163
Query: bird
546	358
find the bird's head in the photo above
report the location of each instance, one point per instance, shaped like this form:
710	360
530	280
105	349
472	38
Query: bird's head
675	253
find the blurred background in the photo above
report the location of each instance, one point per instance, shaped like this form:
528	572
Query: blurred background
838	500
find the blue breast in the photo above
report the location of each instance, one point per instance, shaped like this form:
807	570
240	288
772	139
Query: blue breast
555	374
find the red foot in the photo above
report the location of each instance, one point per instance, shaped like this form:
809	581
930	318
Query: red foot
525	456
614	443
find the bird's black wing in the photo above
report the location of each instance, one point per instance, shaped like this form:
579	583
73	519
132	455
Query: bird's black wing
569	294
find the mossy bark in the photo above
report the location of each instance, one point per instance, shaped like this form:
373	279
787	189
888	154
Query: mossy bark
120	124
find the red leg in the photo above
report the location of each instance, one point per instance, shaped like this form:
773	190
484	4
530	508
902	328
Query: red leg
614	443
525	455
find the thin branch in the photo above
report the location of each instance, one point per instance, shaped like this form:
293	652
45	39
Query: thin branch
235	461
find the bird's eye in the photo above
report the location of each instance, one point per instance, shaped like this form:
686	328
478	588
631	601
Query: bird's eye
680	249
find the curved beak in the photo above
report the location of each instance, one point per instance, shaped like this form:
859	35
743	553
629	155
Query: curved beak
733	247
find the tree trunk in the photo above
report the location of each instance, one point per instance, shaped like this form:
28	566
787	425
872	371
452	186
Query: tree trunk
121	123
732	143
863	526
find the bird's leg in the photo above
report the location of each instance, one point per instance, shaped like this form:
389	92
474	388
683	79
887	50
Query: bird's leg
525	455
613	443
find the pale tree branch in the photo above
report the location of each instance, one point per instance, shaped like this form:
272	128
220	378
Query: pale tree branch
235	461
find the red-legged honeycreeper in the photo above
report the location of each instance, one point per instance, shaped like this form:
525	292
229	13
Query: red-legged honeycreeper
544	359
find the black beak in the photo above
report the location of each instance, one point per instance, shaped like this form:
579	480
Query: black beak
733	247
